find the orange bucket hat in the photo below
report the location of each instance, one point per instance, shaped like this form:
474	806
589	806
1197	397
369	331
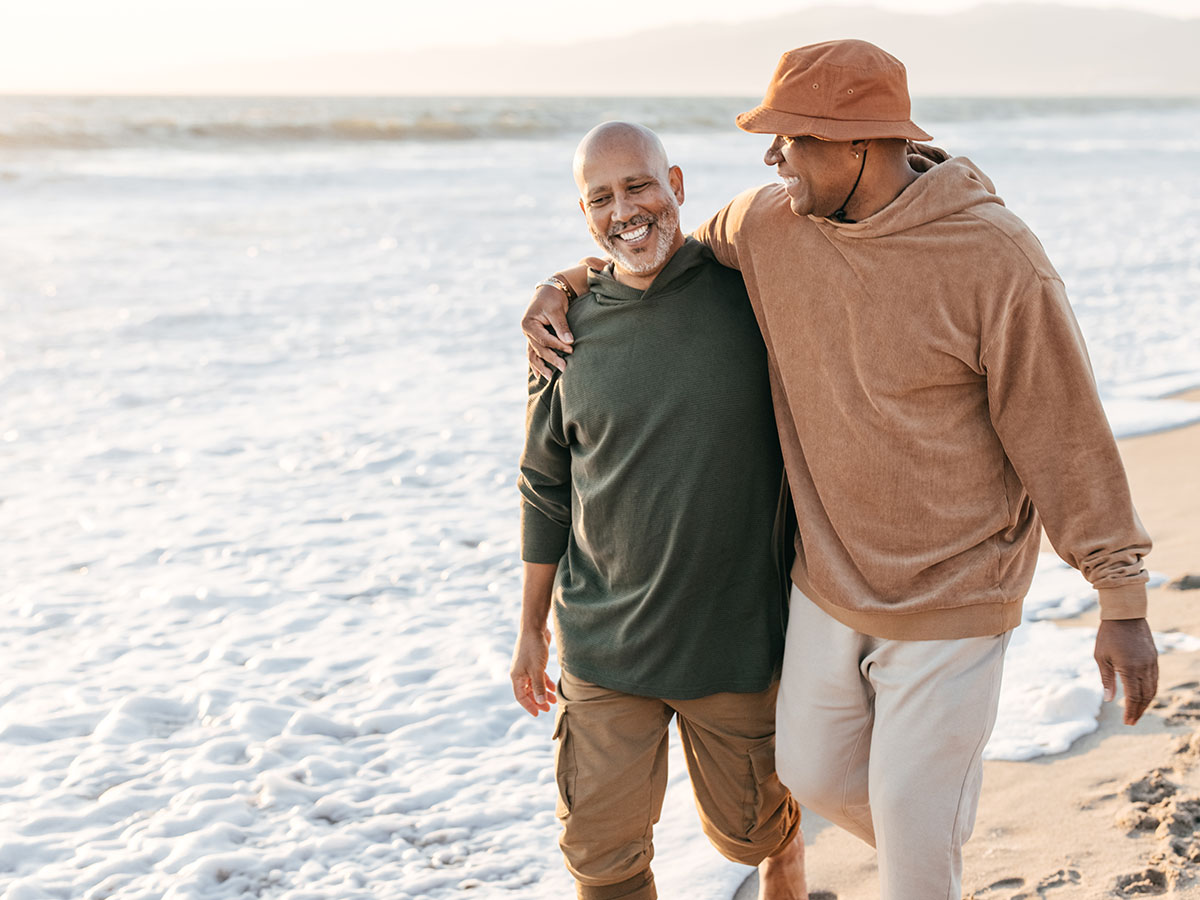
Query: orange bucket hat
836	91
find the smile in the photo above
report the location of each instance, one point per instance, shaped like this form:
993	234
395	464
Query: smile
634	235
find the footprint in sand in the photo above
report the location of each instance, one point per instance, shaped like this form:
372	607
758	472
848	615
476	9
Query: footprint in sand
1180	704
1150	881
1154	788
1159	808
998	890
1061	878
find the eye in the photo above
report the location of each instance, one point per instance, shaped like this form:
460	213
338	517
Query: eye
634	188
599	201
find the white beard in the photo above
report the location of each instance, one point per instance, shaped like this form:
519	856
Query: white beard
640	264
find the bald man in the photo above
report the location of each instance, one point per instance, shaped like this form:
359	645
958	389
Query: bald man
661	428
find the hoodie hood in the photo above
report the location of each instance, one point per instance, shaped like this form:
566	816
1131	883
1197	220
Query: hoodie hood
678	269
943	190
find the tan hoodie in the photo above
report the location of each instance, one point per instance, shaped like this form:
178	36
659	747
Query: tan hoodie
931	390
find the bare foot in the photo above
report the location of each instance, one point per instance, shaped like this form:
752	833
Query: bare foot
781	876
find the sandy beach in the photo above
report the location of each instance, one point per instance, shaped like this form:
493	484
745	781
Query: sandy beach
1118	815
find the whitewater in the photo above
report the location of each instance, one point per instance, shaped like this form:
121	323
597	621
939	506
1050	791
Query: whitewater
261	401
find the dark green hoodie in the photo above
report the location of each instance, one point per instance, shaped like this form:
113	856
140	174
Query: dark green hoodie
651	475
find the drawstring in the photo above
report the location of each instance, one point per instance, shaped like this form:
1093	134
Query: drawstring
840	215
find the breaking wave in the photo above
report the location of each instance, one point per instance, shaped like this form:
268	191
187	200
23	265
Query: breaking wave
83	123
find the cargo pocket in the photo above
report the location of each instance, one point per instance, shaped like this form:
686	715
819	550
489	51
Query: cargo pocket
763	783
564	762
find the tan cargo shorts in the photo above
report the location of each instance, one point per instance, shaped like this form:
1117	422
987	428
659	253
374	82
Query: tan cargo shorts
612	773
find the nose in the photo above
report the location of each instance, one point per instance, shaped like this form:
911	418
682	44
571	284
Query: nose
774	154
624	208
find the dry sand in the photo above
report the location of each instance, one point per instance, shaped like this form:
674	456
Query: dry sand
1118	815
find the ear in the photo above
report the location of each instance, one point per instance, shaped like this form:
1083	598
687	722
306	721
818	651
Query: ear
675	177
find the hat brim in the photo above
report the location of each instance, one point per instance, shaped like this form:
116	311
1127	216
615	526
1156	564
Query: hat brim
764	120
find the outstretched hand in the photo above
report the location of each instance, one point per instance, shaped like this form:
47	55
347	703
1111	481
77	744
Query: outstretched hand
1125	647
531	685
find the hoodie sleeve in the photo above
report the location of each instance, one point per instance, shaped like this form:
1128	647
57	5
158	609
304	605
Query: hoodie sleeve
1045	407
721	233
545	478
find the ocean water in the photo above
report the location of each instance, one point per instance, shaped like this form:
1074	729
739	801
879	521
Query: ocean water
261	397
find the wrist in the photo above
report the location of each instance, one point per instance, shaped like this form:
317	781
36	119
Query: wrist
1126	601
559	283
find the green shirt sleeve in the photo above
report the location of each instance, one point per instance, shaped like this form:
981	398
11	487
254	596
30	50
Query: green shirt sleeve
545	479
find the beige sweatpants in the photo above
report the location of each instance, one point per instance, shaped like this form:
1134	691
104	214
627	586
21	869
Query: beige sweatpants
885	738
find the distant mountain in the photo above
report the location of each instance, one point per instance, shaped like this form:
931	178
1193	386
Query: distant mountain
999	49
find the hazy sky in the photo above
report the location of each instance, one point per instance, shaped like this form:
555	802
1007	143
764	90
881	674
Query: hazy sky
76	45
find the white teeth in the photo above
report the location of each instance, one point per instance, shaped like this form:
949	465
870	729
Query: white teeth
636	235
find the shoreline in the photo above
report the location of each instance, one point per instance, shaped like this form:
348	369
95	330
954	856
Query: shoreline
1110	817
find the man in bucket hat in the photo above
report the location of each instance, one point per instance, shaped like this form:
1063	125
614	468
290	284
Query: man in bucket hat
935	406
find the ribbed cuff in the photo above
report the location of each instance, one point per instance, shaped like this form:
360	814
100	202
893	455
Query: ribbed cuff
1125	602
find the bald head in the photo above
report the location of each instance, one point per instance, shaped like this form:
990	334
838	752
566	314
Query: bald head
630	196
620	137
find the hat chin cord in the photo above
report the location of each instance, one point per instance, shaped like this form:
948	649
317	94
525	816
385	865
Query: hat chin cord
840	214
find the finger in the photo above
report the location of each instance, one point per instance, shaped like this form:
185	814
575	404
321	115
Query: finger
521	690
525	700
535	363
1136	702
1140	689
548	357
558	322
548	342
550	689
537	331
549	339
531	705
1108	678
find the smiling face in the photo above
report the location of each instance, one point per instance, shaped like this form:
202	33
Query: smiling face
630	198
816	174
